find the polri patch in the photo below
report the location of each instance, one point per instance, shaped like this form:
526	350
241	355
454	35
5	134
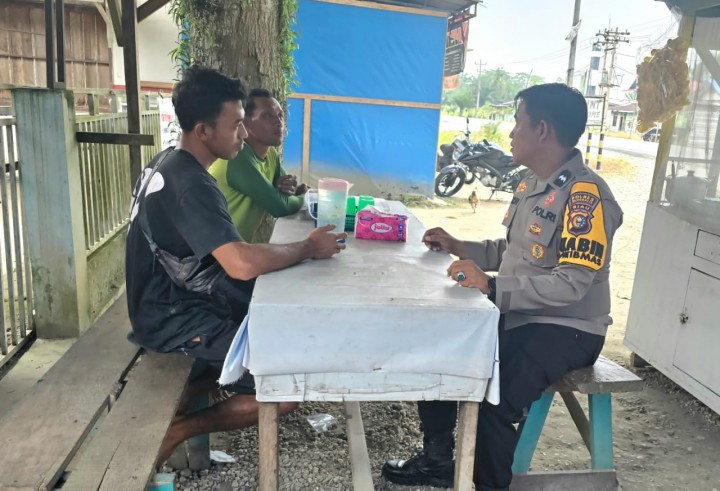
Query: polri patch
538	251
522	187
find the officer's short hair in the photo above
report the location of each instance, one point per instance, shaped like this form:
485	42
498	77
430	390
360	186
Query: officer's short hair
562	107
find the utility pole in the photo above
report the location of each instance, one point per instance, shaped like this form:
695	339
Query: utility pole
610	40
573	44
477	95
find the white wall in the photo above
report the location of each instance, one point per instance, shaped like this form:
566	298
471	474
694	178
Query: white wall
157	36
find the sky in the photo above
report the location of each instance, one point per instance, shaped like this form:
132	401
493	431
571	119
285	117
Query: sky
525	35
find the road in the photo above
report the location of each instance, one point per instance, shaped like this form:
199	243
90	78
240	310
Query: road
634	148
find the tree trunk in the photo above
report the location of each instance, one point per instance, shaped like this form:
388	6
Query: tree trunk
242	38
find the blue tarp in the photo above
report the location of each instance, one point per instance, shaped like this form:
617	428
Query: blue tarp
373	54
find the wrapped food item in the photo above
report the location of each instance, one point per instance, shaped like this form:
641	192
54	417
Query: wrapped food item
663	84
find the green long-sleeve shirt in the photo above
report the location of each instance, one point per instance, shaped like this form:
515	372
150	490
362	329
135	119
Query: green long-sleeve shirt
248	183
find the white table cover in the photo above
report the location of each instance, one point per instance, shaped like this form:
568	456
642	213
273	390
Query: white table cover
379	321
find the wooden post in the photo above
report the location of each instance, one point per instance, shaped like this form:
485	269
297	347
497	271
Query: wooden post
268	436
93	104
132	81
52	194
465	446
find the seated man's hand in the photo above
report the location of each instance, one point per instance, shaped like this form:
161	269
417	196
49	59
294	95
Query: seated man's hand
437	239
324	243
302	189
474	277
287	184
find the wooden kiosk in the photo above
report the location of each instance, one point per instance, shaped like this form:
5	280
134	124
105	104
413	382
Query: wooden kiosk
674	318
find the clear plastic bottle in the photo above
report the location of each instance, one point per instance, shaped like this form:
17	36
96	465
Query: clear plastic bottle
332	202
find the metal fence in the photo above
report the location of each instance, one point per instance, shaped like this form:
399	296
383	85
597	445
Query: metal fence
105	174
16	307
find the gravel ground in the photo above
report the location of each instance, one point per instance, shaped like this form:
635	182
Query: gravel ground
665	439
312	461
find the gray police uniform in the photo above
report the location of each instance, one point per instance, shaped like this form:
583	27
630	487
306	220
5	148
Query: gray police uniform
552	287
553	266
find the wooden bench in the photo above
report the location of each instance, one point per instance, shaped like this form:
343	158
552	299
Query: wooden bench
97	418
598	383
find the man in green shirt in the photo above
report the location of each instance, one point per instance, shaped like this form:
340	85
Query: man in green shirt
254	183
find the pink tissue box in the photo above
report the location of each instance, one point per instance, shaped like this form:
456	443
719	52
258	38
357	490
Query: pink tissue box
371	223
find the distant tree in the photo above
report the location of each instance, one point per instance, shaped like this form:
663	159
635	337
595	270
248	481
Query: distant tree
497	86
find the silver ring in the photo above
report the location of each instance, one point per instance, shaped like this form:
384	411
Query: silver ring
460	276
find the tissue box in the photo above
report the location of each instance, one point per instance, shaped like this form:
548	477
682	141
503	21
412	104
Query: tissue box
371	223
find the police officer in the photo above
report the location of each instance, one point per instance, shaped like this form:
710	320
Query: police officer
551	286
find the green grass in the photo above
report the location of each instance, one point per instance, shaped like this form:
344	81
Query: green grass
491	132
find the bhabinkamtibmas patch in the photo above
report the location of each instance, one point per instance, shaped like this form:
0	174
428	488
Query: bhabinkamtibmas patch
584	240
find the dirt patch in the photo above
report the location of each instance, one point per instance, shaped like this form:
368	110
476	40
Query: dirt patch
664	438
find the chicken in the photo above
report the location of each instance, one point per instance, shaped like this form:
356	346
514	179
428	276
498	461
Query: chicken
473	200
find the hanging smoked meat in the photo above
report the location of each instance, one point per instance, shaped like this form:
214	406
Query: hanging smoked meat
663	84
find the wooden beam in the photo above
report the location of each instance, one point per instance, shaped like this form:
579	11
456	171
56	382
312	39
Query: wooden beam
114	138
366	100
50	43
465	445
359	460
132	82
116	19
305	170
389	8
268	461
578	416
148	8
60	40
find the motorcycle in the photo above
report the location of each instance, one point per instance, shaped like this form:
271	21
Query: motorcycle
484	161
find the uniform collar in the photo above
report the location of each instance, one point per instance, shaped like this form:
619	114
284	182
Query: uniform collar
567	173
570	171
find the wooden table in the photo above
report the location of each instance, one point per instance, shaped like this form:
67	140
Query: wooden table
380	321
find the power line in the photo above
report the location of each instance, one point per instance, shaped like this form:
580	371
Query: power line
609	39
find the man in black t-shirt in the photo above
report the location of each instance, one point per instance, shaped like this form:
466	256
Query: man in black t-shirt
178	206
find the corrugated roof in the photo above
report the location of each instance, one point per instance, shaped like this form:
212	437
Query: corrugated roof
699	8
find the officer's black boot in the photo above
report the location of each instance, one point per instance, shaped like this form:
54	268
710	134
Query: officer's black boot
434	466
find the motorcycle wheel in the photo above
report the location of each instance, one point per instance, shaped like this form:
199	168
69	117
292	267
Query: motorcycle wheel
447	184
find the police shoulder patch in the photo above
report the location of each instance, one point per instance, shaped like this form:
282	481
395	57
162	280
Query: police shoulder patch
584	240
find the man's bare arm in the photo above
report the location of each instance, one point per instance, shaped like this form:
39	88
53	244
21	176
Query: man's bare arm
244	261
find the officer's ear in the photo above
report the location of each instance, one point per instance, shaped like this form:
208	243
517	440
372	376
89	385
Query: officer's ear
545	131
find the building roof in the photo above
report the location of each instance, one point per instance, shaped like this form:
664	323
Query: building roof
439	5
699	8
628	107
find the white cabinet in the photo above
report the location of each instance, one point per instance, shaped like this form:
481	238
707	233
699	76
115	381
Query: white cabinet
698	341
674	318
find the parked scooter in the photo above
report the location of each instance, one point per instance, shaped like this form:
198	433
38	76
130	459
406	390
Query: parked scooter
485	161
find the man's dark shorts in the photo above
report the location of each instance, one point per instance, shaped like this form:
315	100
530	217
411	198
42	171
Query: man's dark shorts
212	347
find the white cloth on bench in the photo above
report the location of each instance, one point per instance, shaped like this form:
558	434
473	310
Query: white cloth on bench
237	358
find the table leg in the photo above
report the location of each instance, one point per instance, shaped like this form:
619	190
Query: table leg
268	436
465	445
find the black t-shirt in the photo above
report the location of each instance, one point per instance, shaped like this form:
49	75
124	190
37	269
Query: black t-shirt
187	215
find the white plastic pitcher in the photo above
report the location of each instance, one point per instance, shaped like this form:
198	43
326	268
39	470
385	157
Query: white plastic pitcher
332	202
